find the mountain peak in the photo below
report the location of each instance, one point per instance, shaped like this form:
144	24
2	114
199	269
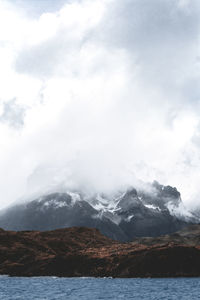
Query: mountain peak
132	213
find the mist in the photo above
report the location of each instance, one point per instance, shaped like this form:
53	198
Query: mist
99	95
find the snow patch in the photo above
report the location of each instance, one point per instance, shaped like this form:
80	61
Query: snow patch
98	206
75	197
128	219
54	203
151	206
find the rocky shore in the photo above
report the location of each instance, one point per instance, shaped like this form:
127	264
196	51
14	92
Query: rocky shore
80	251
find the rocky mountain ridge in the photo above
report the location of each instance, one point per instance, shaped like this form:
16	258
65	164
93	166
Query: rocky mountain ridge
153	211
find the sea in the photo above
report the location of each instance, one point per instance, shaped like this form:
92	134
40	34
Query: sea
53	288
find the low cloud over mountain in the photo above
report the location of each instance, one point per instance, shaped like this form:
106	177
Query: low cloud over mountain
122	216
98	94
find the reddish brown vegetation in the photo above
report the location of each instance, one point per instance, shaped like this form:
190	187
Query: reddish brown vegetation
85	252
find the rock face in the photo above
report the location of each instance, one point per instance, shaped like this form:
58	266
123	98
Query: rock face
82	251
155	211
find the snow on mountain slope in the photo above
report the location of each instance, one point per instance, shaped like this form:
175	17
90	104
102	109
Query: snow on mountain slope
128	214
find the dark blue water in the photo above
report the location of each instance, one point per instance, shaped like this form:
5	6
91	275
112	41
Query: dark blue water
43	288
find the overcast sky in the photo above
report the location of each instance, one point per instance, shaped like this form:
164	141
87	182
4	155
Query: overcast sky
35	8
98	94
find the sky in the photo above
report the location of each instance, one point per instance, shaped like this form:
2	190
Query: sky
98	95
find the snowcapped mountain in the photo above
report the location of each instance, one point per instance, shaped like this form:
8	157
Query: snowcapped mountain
153	211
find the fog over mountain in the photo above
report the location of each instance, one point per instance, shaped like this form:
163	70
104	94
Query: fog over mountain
99	95
122	216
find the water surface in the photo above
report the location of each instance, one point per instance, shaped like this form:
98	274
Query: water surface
52	288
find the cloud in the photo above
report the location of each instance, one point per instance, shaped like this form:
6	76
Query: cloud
36	8
111	95
12	114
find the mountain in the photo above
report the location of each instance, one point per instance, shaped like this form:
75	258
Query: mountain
153	211
79	251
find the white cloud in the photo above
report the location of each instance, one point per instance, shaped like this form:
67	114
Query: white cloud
110	91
